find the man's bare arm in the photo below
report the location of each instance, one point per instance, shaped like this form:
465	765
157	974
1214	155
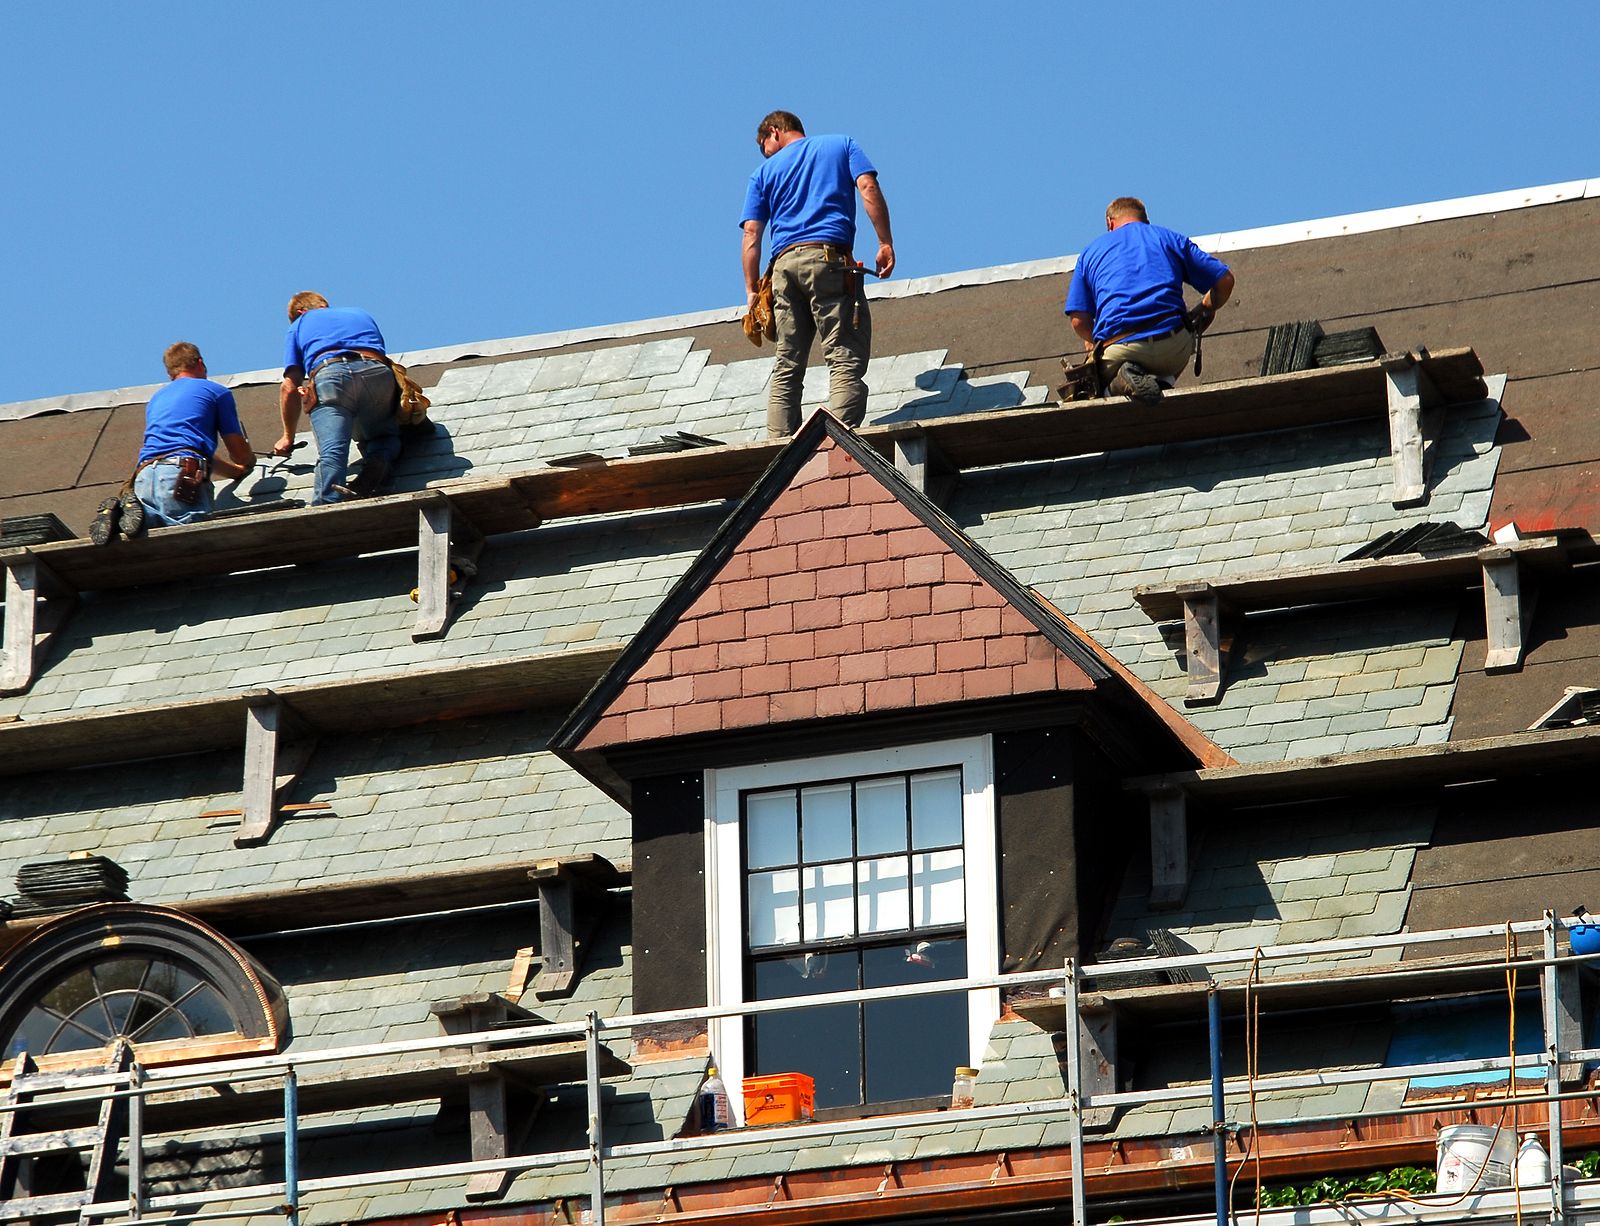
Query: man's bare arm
1083	325
751	255
289	409
1218	295
878	213
241	457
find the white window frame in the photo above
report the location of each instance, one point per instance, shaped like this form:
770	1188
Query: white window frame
725	948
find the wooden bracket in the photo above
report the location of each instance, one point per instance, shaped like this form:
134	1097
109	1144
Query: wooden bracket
1416	417
448	548
1169	847
486	1087
1208	623
1569	1023
38	603
1510	593
918	459
277	748
1097	1061
572	895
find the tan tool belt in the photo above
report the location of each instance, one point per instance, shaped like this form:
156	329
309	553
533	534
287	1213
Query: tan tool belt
413	407
759	323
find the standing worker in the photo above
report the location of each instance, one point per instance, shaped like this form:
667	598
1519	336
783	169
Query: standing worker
1126	300
806	189
335	367
182	423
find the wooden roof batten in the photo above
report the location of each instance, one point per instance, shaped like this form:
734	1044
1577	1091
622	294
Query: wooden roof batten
447	521
1211	607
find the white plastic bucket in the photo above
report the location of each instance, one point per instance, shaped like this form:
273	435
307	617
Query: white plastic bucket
1466	1149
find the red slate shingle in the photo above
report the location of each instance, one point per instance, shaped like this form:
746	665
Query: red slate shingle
838	601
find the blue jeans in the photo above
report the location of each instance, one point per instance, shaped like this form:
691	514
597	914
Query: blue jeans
153	487
355	400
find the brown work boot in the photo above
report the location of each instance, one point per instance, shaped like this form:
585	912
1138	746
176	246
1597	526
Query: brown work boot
104	529
1136	383
132	515
374	472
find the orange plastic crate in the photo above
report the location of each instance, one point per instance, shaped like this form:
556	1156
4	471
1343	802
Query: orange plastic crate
778	1099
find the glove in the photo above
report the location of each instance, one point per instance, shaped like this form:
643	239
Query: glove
1199	319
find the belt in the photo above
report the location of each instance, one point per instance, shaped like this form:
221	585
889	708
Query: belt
348	356
1183	326
845	251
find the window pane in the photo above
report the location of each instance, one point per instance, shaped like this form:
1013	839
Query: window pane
884	894
881	816
825	1044
829	901
936	809
775	908
914	1046
938	888
825	822
770	829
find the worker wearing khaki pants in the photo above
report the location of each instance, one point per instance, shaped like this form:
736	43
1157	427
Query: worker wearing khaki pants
806	190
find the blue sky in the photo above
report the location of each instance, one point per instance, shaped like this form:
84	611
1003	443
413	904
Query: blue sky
481	170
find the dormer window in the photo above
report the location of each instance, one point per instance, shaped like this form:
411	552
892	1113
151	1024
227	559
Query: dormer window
857	871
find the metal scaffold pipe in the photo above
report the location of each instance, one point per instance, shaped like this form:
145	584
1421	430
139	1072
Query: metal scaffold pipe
1219	1121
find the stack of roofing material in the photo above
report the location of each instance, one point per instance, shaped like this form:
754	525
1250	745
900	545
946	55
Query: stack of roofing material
19	531
1304	346
60	885
1429	538
679	441
1163	944
1342	348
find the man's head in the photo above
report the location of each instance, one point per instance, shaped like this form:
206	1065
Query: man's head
777	130
305	300
1124	209
184	360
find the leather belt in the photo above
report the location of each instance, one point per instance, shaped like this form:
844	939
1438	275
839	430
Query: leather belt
351	355
1183	326
845	251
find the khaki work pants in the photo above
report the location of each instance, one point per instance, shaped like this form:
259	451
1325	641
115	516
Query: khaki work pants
809	300
1165	355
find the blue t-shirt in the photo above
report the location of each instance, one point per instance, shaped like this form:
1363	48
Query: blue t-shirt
326	331
807	191
1131	280
187	415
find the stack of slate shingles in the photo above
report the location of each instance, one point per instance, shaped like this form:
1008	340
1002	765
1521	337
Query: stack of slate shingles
46	886
1302	345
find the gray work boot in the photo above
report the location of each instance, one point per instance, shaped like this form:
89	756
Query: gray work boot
1136	383
132	515
374	472
104	529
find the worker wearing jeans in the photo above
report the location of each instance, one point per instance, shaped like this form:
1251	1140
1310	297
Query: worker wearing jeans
334	367
806	190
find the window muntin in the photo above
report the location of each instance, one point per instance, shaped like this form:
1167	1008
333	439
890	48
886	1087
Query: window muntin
872	894
141	999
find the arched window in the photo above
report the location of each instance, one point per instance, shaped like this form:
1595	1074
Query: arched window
168	984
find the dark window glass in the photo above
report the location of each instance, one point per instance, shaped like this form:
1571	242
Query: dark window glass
143	1000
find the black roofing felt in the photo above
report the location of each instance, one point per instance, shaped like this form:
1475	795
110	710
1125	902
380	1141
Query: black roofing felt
778	477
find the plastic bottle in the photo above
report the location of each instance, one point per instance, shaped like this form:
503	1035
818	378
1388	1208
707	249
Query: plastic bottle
714	1112
962	1092
1533	1164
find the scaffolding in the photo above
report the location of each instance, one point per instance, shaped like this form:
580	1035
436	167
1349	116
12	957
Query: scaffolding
136	1085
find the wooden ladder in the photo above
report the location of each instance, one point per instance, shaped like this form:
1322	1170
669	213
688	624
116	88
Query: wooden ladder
19	1146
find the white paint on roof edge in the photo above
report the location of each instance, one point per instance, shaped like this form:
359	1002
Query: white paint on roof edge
1236	240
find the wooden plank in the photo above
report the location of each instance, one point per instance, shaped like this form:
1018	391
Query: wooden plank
675	479
1364	579
550	679
1410	392
1202	636
433	570
260	772
1416	766
21	615
1169	848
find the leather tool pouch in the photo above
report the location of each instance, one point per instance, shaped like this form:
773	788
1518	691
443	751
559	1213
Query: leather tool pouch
759	323
186	489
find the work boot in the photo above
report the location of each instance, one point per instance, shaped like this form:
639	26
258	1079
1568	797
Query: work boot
1136	383
374	472
104	529
132	515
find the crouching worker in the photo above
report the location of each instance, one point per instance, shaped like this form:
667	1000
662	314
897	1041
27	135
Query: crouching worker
336	370
1126	301
182	422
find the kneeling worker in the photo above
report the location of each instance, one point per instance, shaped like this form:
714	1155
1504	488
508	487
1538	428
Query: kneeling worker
1126	300
334	367
182	422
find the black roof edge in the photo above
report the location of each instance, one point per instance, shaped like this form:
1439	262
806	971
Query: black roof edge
785	465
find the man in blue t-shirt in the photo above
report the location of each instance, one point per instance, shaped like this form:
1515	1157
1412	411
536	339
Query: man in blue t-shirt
1126	300
182	422
334	367
806	190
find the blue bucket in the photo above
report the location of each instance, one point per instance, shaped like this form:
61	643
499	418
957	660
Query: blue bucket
1585	938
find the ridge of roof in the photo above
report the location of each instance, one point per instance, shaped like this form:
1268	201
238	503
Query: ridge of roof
1075	644
1223	241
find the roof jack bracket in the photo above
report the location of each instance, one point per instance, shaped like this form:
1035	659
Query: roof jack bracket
278	745
38	602
1209	625
1169	846
918	459
448	546
572	895
1416	418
